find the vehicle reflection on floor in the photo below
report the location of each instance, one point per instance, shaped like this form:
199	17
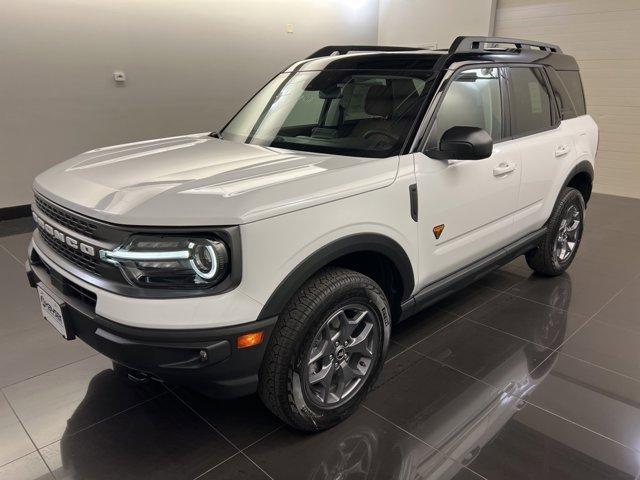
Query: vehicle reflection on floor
424	419
460	422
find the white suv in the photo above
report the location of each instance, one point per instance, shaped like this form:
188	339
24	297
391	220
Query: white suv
357	187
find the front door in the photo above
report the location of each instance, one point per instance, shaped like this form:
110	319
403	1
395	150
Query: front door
466	207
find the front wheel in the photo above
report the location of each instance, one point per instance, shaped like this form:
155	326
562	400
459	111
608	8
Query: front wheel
326	350
559	246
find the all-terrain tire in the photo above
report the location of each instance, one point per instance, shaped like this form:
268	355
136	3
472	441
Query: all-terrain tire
282	373
545	259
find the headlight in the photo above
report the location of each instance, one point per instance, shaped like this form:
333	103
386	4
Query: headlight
171	261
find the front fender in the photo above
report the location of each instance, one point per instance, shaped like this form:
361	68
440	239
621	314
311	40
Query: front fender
365	242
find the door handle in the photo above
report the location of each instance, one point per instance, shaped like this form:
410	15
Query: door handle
503	168
562	150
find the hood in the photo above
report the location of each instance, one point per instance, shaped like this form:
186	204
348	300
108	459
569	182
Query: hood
197	180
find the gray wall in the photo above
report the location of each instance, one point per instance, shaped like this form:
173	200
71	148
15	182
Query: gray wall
190	64
603	37
424	22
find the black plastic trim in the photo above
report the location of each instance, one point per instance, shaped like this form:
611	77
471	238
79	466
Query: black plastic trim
365	242
582	167
413	200
474	44
451	283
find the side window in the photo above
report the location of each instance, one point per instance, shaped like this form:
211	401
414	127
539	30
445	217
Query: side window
473	99
529	100
565	103
571	80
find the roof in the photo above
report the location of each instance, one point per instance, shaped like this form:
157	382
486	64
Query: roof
481	49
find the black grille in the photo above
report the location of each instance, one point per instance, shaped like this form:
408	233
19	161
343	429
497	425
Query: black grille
66	219
74	256
66	286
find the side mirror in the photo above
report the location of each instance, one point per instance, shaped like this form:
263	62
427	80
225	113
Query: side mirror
464	143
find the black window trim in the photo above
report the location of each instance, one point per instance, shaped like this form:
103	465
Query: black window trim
506	121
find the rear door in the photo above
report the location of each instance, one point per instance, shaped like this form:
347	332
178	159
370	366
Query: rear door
546	145
473	201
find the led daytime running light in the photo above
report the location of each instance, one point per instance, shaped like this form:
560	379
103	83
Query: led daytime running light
120	255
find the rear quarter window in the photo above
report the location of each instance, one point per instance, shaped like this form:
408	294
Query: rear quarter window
563	98
573	83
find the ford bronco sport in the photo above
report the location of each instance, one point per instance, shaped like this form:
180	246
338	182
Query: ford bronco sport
357	187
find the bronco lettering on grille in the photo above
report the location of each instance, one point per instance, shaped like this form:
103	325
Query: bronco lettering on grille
63	237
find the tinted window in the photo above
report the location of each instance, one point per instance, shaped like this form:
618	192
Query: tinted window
530	101
472	100
564	100
571	80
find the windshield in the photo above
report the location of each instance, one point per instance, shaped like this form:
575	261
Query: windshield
333	111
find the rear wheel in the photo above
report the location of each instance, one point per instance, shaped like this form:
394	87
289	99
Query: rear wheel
326	350
559	246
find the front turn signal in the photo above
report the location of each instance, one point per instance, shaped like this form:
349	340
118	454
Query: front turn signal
250	339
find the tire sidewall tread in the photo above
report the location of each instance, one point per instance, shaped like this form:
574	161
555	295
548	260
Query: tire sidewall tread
279	385
542	259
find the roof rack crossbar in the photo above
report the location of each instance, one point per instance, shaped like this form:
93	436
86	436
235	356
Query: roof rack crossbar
344	49
477	44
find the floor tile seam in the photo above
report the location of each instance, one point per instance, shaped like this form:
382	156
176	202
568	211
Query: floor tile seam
415	437
597	365
201	417
459	317
406	348
240	452
466	318
498	295
524	399
617	327
613	297
496	329
216	466
627	447
20	262
102	420
28	435
18	458
215	429
473	377
564	310
18	382
243	453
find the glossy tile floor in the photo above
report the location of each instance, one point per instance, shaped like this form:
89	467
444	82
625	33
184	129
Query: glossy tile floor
517	377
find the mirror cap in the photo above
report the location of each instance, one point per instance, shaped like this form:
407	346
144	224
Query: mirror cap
465	143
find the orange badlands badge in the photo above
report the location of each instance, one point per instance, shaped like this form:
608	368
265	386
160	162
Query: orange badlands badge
437	231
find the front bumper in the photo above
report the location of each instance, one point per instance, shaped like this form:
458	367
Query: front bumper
206	359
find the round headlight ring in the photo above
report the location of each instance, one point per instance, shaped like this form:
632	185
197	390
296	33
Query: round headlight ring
205	259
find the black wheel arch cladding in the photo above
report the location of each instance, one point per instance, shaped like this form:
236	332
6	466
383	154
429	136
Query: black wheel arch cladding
576	174
358	243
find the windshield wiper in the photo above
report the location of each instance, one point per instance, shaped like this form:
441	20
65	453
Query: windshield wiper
216	134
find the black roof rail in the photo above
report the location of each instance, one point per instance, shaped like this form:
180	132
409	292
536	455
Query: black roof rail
477	44
344	49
